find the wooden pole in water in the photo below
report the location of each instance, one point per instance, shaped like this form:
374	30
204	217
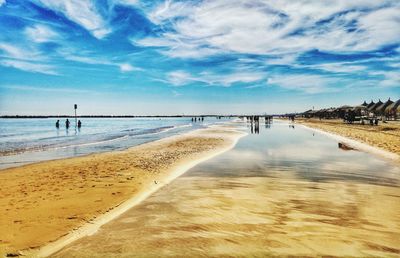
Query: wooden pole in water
75	107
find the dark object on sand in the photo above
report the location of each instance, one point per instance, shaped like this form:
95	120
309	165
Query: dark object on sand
344	146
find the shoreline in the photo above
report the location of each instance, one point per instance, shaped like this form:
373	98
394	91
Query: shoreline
222	139
353	142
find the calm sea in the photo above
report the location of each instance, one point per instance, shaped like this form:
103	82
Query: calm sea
24	141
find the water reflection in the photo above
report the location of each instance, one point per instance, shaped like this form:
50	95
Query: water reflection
300	153
281	192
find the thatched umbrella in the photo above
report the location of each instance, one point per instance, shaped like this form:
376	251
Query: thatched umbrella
393	108
370	104
381	108
364	104
373	107
345	107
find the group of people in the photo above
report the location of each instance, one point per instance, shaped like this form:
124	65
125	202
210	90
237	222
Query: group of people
195	119
68	123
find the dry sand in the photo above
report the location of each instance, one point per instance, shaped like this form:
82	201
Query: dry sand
385	136
43	202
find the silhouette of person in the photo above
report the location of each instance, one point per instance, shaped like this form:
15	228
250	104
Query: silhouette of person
58	124
67	123
79	124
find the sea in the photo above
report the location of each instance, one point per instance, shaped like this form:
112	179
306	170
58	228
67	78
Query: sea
24	141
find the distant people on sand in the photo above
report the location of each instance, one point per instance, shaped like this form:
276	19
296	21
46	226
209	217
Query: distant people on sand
67	123
58	124
79	124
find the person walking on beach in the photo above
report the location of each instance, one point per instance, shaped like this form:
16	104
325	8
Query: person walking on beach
79	124
67	123
58	124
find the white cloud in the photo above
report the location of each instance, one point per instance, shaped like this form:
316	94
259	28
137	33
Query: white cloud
81	12
126	2
389	78
2	2
178	48
85	59
28	53
88	58
125	67
337	67
229	79
179	78
41	33
29	67
42	89
302	82
265	27
13	51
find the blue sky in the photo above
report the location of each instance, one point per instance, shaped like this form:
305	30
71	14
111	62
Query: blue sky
195	57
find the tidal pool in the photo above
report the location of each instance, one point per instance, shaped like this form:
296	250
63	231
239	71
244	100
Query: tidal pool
282	191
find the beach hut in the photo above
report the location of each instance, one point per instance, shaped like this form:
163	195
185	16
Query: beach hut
393	110
380	110
331	113
342	111
319	113
360	110
370	104
375	106
308	113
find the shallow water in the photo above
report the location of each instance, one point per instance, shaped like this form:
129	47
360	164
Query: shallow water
284	191
24	141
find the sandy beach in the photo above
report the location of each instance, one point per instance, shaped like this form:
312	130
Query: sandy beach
252	217
285	192
385	136
45	201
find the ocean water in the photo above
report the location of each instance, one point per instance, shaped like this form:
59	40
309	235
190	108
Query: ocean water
24	141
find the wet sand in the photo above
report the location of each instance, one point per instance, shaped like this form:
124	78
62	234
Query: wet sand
253	216
284	192
385	136
42	202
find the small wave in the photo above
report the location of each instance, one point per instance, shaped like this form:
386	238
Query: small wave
124	134
89	143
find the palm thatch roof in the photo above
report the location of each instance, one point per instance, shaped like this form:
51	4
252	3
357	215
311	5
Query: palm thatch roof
364	104
381	108
359	107
377	104
370	104
395	106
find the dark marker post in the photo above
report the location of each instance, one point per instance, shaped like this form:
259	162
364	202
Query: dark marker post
75	107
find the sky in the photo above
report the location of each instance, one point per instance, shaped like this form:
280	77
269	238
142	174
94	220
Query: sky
136	57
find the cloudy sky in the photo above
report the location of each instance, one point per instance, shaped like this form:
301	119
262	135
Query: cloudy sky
174	57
